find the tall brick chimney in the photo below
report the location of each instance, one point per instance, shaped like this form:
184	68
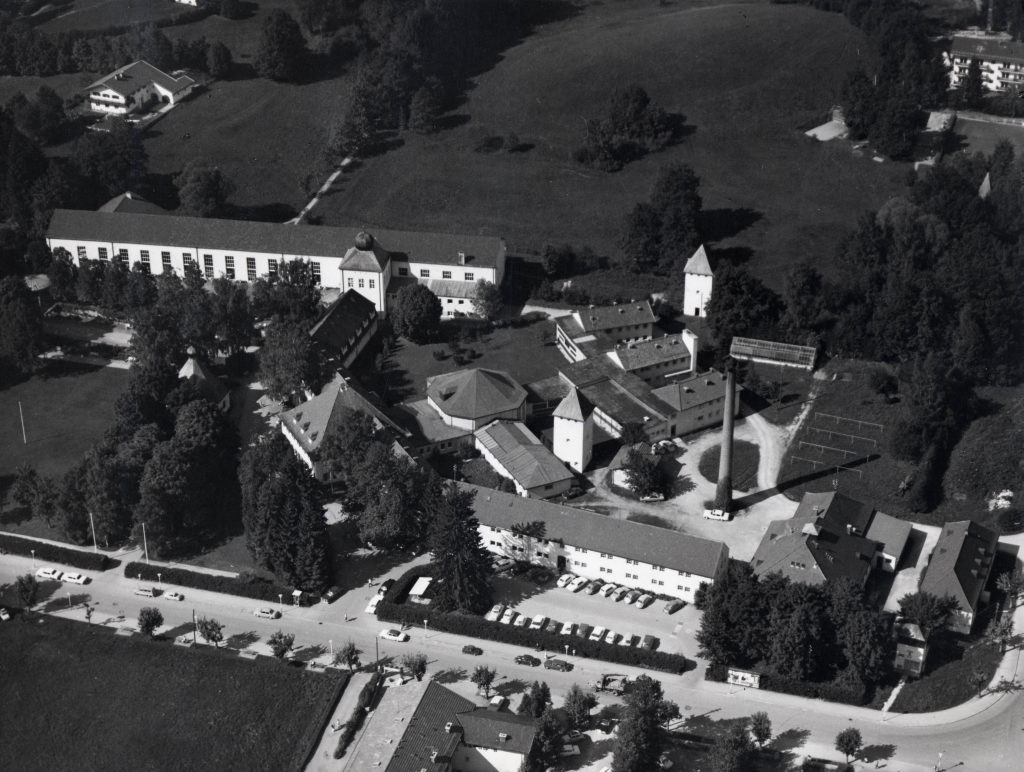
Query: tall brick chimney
723	492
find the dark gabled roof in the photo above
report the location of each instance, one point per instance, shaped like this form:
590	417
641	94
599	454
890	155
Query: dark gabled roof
698	390
574	406
598	318
961	563
344	318
243	236
425	733
130	78
198	372
621	395
483	728
521	454
131	202
987	49
633	541
644	353
698	263
311	421
475	393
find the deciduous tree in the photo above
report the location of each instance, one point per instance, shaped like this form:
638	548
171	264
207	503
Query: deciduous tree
289	361
927	611
203	189
150	619
211	630
282	48
487	302
27	588
578	704
280	643
416	313
761	728
849	742
348	655
483	677
21	326
416	664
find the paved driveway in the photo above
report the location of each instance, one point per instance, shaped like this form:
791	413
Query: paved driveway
674	632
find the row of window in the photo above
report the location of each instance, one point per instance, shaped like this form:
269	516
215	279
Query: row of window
425	274
362	283
167	263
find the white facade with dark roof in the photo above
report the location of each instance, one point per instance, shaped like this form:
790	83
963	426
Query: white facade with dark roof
131	88
374	264
573	436
644	557
513	451
698	281
1000	57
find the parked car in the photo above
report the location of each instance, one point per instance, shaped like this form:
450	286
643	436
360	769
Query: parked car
553	626
717	514
605	725
527	659
469	648
664	761
386	585
76	578
574	736
598	633
584	630
371	607
611	637
649	642
577	584
332	594
663	446
148	592
495	613
503	564
572	493
631	596
522	621
621	593
4	615
53	574
608	590
644	601
558	664
174	596
653	497
538	622
393	635
498	702
594	586
263	612
509	616
629	639
673	606
568	628
565	579
569	750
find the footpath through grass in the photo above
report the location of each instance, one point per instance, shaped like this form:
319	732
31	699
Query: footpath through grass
84	698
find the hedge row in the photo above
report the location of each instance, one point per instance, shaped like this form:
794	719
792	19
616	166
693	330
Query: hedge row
91	561
246	585
365	698
832	691
391	610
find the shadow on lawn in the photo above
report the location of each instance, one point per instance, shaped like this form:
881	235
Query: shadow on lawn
65	601
241	641
450	676
790	740
719	224
510	687
876	753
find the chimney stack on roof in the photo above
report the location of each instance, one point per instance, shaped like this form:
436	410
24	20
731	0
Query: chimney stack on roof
462	258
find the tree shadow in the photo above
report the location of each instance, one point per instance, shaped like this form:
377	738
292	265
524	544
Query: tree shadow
873	753
15	514
174	632
275	212
308	653
512	590
733	255
241	641
719	224
62	602
452	121
790	740
450	676
510	687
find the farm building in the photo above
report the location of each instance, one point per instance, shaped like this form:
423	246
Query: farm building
773	353
134	87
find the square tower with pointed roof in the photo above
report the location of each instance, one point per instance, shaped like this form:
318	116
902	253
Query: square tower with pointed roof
698	279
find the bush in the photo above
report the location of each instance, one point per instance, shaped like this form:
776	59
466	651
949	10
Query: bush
246	585
366	696
1011	521
91	561
391	610
849	692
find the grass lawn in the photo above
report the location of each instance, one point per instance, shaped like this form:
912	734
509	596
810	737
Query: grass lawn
745	458
811	466
794	386
948	684
768	188
527	353
102	701
982	137
100	14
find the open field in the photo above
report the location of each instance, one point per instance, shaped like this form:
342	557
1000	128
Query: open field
87	699
100	14
768	188
982	136
240	35
527	353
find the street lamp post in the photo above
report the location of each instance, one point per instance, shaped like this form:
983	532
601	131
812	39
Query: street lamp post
69	600
938	761
567	649
33	559
425	626
280	600
330	645
159	580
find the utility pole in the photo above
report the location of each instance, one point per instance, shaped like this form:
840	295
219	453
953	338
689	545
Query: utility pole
24	437
145	545
92	525
194	641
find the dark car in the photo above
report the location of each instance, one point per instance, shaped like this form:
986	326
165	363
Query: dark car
557	664
332	594
469	648
385	586
526	659
649	642
584	631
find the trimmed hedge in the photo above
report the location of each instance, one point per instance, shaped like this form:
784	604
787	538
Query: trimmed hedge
366	696
246	585
91	561
391	610
832	691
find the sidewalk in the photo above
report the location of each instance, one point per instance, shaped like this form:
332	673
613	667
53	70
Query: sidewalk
324	759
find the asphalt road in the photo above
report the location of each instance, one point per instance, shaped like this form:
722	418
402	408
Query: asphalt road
983	735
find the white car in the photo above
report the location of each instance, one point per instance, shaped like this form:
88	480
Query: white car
569	629
717	514
522	621
4	615
75	578
565	579
598	633
495	613
538	622
174	596
577	584
644	601
266	613
608	589
629	639
508	616
371	607
611	637
394	635
49	573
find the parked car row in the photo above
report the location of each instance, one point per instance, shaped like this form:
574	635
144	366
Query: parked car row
56	575
616	592
509	616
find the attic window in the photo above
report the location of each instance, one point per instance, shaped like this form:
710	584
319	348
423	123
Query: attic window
305	427
622	310
313	436
298	416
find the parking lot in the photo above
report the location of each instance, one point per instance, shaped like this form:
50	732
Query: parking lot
674	631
